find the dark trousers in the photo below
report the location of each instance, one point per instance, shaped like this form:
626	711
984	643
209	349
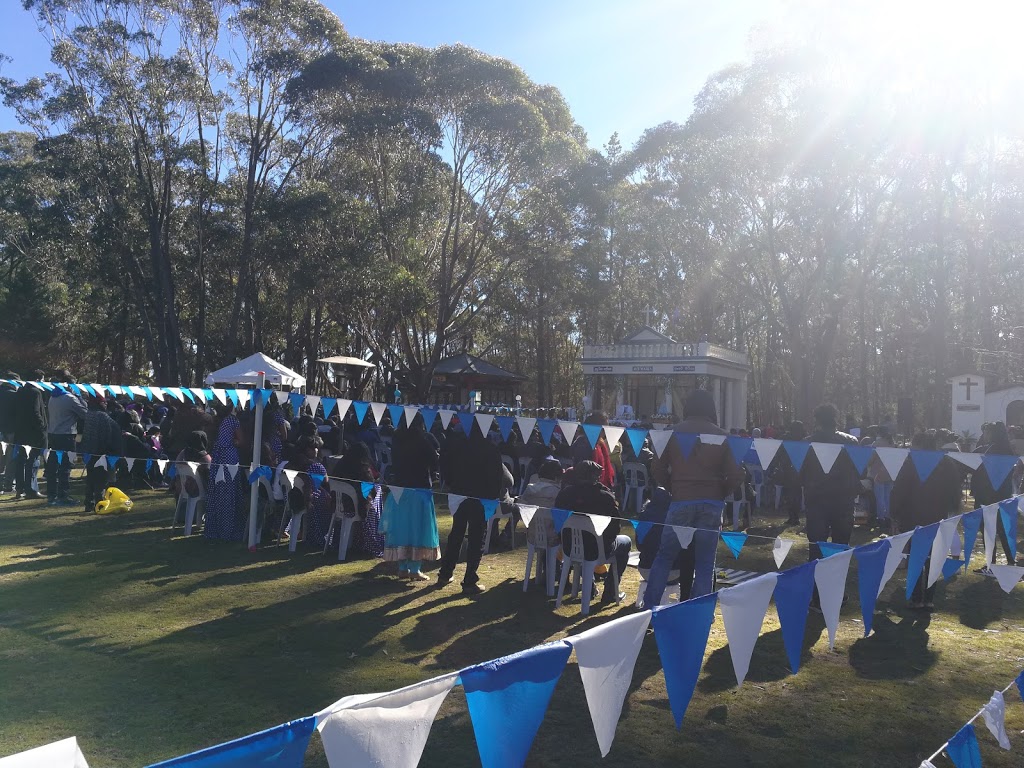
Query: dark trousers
921	593
1004	539
96	481
828	520
24	467
470	514
58	474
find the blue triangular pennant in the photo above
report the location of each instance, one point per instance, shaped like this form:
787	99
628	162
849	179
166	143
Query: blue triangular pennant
593	432
396	412
60	457
317	480
295	398
559	516
507	699
259	472
328	403
972	524
920	548
637	439
192	398
829	548
233	397
734	540
925	462
149	465
87	457
466	421
951	567
112	462
505	424
1008	512
547	429
642	528
793	592
797	450
686	441
490	508
870	567
428	414
172	471
681	632
149	393
1020	685
208	394
739	447
366	489
997	467
860	455
360	408
281	747
963	748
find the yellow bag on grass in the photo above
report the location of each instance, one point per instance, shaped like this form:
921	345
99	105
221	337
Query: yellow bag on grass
114	500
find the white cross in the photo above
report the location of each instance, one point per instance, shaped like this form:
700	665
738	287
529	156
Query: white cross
649	313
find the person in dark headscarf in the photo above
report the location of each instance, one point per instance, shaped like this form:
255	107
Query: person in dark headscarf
698	483
985	493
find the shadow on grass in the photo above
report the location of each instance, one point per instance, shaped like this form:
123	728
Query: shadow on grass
894	650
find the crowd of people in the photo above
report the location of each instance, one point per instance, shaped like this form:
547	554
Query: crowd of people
688	486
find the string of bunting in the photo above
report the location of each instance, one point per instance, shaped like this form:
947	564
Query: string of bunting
963	748
759	451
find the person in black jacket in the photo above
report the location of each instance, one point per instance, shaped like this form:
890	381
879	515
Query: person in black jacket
30	427
829	497
585	494
982	489
477	472
8	407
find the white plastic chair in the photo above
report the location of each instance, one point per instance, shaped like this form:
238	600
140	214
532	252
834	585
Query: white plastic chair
524	474
194	506
575	559
757	480
385	456
546	556
635	480
345	522
296	515
496	520
671	593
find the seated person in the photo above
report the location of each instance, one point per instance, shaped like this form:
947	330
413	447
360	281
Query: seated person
586	494
541	492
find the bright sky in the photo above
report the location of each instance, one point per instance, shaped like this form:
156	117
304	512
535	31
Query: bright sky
623	65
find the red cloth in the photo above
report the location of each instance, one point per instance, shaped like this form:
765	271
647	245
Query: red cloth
604	457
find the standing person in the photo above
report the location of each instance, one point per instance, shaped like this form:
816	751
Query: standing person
222	519
275	430
318	503
830	498
8	409
709	474
30	435
600	454
881	482
983	491
356	467
915	503
792	491
586	494
64	411
100	437
479	474
409	525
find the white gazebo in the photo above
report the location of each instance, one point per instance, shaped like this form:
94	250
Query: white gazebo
245	372
649	375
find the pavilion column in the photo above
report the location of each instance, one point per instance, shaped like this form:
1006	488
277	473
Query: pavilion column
726	420
667	397
620	395
740	408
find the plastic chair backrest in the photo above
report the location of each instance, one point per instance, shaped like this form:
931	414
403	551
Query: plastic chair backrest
635	473
341	490
191	481
577	525
508	462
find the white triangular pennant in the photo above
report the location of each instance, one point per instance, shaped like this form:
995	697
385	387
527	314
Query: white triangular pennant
138	392
378	412
97	461
193	465
313	401
527	511
684	534
198	392
780	549
827	454
830	578
453	502
940	548
989	515
410	414
3	448
1008	576
290	475
892	459
129	462
659	439
60	754
613	435
743	609
600	523
713	439
568	429
343	406
396	491
894	557
72	457
382	729
606	656
971	460
222	474
484	421
221	395
233	470
282	397
994	713
766	449
445	416
526	425
175	392
161	465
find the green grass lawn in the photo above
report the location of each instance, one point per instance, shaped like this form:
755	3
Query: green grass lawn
146	646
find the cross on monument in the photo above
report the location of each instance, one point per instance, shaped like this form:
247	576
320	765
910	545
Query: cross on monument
650	311
968	384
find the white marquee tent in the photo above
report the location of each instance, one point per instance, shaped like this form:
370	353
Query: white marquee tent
244	372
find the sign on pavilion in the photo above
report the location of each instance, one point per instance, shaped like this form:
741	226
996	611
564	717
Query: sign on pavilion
648	375
973	405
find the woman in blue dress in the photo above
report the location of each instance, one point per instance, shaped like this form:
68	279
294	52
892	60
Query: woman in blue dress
409	524
222	498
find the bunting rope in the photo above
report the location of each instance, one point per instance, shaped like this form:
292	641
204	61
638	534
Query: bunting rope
964	744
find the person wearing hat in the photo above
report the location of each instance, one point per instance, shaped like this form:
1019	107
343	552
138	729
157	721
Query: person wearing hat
30	435
64	411
541	492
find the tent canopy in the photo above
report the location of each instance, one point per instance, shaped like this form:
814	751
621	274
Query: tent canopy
244	372
342	360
